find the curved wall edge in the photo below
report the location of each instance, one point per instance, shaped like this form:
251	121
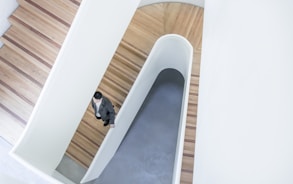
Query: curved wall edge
169	51
199	3
86	48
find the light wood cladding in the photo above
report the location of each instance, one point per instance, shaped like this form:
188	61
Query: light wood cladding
33	41
23	18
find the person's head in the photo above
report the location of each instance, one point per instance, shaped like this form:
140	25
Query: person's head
98	95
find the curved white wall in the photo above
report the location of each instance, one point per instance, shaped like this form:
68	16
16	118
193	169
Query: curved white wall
81	63
248	141
199	3
169	51
245	119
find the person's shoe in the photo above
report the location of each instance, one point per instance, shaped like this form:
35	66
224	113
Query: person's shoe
106	123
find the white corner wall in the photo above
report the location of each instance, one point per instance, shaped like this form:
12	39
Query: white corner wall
245	117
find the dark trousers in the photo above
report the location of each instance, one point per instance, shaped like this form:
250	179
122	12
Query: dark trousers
105	122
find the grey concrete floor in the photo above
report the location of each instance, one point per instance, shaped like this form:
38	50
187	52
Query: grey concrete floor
147	152
71	169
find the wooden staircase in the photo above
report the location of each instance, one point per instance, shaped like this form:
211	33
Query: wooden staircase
31	46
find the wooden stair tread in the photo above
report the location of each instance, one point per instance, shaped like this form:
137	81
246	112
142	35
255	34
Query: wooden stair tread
62	11
34	70
129	52
133	65
114	97
88	146
15	104
120	78
77	154
44	14
186	177
30	20
19	83
95	135
187	163
32	43
65	10
131	75
192	110
27	55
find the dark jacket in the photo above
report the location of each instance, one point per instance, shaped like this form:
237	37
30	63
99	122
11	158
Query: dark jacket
106	110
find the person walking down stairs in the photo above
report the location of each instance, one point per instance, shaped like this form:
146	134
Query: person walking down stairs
104	109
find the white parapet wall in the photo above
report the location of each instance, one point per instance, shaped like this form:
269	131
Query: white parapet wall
170	51
81	63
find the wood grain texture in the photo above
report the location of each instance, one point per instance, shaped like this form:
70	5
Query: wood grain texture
33	41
